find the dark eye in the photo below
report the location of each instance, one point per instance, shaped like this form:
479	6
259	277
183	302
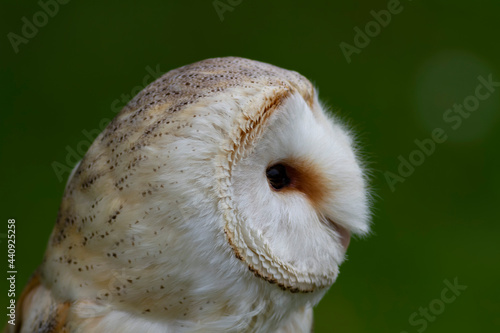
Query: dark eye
277	176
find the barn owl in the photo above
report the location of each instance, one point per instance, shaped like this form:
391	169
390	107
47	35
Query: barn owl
220	199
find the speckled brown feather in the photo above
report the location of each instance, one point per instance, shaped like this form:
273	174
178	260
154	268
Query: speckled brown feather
150	113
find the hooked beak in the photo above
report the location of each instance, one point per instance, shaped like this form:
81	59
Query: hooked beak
345	235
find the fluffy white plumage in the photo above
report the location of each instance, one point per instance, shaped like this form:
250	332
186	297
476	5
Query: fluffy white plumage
171	224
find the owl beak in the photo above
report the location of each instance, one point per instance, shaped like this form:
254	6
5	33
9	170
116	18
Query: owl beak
345	235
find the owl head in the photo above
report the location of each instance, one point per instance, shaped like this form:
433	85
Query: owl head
222	188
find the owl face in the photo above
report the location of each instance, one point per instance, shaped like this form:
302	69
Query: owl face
222	189
296	192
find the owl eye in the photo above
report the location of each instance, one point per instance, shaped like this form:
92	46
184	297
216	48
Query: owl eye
277	176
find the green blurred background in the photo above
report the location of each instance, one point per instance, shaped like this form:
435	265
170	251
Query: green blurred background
440	223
